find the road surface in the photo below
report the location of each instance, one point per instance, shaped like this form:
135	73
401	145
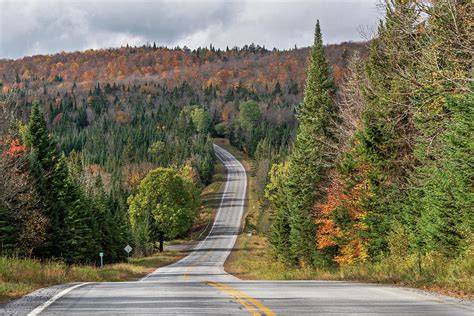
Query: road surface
198	283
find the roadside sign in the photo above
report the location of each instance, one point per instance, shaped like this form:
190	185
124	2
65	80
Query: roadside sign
101	255
128	249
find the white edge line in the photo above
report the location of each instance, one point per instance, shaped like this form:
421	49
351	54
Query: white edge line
43	306
202	242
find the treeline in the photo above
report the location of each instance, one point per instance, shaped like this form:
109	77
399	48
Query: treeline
252	66
382	167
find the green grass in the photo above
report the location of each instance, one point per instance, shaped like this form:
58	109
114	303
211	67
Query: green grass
19	276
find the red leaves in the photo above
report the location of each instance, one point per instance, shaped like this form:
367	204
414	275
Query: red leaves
16	149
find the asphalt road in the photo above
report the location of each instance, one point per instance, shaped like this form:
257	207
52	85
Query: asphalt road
198	284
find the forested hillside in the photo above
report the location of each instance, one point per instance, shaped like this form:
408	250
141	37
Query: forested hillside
111	116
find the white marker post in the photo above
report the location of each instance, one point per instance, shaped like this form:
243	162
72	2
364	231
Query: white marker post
128	249
101	254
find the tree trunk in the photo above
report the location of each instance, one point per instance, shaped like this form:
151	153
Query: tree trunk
162	238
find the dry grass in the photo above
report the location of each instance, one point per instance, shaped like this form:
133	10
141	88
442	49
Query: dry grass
252	260
21	276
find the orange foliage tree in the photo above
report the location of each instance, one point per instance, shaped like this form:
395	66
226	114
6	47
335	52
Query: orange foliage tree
340	219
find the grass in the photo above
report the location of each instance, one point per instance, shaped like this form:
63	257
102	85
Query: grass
252	259
19	276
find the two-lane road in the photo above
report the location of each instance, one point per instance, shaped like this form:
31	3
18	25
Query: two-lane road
198	283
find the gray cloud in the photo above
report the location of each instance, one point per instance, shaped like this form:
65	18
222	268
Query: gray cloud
30	27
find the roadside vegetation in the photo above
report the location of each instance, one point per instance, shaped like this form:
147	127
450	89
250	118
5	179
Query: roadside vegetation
20	276
252	259
377	185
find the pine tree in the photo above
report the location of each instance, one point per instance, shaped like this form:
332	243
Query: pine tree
312	153
441	193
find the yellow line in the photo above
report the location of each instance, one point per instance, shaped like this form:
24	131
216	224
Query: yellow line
255	302
250	308
185	274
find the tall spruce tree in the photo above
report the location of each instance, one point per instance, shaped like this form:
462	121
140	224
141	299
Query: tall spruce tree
311	156
49	178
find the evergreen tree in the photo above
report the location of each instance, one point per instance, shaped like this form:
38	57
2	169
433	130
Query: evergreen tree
440	190
312	154
49	178
385	143
81	224
276	193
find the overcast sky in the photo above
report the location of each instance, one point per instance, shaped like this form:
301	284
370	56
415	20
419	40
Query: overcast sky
29	27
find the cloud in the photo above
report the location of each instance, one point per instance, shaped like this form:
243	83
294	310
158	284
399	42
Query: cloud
47	26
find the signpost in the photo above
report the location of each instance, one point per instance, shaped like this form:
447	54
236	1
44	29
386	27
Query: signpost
128	249
101	254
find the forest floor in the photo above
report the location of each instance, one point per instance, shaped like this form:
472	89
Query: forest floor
252	258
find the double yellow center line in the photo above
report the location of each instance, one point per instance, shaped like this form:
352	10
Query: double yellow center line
254	306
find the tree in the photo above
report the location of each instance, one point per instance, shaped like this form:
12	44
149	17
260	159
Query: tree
441	190
386	141
276	193
200	120
81	222
250	114
313	153
22	224
163	207
221	129
49	178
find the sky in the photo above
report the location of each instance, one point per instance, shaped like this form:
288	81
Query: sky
31	27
